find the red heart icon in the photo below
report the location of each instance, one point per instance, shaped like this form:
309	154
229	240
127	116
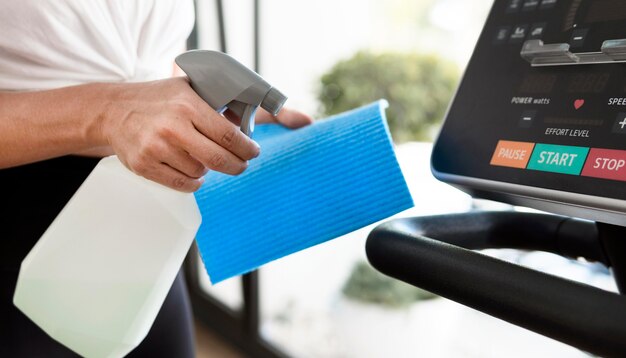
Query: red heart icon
579	103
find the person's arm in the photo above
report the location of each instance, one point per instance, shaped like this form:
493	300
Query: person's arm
161	130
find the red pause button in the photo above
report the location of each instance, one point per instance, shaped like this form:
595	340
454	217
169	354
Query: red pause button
606	163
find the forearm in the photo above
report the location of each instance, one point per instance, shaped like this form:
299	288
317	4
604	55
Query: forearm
161	130
96	152
46	124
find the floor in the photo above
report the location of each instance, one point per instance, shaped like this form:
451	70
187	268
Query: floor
209	345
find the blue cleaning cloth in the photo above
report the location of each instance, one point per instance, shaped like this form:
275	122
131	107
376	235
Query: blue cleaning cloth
308	186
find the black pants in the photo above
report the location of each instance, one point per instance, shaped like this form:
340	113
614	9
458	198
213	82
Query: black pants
30	198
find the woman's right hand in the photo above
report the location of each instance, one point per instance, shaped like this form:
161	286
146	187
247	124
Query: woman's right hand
163	131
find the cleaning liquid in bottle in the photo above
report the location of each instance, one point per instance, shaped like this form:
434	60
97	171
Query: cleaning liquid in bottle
97	278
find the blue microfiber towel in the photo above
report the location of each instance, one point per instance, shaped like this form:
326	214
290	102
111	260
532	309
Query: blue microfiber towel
308	186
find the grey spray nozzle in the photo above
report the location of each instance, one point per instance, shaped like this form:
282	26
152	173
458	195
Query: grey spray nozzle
224	82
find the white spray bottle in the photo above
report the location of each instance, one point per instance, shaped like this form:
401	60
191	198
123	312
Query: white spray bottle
98	276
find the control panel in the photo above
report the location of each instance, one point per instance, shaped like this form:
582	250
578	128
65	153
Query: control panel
542	106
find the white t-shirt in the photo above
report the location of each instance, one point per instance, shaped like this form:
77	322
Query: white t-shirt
55	43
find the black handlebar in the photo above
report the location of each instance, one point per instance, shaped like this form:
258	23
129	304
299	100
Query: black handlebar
585	317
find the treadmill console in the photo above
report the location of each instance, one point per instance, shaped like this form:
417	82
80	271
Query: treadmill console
539	118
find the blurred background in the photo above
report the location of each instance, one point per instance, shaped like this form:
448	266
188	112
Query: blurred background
329	56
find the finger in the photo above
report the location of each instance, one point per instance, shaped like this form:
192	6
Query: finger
287	117
227	135
293	119
172	178
184	163
263	116
213	156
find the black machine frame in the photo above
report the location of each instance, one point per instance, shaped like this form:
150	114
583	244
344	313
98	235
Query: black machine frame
437	253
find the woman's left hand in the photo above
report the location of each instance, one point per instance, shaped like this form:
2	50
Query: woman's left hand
287	117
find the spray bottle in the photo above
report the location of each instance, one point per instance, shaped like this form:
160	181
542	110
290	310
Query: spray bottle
98	276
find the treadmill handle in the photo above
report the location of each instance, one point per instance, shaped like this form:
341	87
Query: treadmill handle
576	314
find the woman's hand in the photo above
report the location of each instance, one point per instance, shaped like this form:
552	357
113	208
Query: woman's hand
287	117
164	131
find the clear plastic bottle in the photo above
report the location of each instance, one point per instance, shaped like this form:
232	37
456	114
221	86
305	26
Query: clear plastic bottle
97	278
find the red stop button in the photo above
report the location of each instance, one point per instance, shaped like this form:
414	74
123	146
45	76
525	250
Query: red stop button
606	163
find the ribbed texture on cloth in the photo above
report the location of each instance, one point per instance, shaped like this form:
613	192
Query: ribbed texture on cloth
308	186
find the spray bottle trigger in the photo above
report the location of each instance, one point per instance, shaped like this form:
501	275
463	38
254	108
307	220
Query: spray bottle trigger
247	120
246	112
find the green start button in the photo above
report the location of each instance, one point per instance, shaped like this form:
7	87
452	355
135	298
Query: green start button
558	158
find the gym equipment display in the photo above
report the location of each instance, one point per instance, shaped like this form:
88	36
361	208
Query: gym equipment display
539	120
540	116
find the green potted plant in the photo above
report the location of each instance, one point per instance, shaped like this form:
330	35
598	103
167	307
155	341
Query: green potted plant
418	88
